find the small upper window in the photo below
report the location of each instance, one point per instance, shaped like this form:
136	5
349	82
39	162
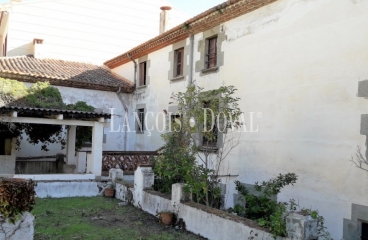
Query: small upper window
179	59
142	73
211	52
140	122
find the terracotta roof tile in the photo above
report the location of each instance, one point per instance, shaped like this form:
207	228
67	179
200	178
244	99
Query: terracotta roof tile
202	22
63	73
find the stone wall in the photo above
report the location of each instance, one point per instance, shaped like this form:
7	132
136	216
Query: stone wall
205	221
22	229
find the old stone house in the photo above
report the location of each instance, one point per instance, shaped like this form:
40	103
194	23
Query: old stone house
296	65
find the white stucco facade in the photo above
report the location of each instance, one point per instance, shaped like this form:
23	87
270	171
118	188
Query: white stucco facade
296	65
84	30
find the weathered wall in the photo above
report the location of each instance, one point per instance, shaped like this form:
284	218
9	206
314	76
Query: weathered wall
297	63
205	221
85	30
21	229
61	189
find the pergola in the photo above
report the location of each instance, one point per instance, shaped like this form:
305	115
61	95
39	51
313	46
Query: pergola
71	118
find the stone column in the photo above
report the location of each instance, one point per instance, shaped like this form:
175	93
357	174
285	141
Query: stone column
143	179
178	195
70	147
81	162
116	174
301	226
96	154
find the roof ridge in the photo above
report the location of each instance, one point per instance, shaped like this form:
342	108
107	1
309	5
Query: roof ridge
203	21
63	73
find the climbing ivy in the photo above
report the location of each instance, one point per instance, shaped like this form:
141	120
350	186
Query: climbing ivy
39	95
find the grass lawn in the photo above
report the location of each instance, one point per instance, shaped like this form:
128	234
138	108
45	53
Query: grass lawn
98	218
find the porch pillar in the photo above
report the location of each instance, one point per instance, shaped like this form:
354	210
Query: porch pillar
96	154
70	148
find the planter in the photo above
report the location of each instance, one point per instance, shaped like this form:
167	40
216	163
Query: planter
166	218
109	192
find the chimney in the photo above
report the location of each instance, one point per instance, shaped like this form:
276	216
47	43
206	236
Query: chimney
38	48
164	18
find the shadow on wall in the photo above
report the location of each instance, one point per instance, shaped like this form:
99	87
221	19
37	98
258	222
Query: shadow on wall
21	50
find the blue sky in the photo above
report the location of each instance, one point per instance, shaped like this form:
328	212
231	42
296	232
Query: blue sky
194	7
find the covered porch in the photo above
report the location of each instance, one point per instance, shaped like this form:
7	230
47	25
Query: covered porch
93	161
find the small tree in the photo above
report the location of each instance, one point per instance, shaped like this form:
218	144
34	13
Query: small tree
208	130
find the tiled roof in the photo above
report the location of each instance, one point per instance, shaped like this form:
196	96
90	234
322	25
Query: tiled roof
202	22
63	73
68	114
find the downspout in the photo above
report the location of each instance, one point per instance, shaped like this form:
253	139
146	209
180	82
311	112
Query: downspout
126	112
135	69
124	105
191	53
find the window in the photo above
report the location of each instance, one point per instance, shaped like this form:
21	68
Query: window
211	52
142	73
179	59
364	231
140	121
211	139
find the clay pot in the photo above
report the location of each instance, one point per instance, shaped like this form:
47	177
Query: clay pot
109	192
166	218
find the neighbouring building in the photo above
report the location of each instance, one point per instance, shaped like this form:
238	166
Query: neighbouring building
296	65
83	30
96	85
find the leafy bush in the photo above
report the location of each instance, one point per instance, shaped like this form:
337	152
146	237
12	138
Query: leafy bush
16	197
267	212
270	213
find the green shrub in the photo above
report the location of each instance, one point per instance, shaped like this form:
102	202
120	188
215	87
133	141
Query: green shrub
16	197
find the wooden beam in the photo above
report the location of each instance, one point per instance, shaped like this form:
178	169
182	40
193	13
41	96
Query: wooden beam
57	116
47	121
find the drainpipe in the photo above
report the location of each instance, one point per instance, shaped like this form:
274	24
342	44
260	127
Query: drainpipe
126	112
191	53
135	69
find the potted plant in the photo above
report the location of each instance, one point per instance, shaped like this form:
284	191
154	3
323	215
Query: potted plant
110	190
166	217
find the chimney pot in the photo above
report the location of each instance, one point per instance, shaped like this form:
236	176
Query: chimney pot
163	8
38	48
164	18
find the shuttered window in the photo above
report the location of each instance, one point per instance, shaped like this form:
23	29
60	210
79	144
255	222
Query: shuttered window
142	73
179	59
212	52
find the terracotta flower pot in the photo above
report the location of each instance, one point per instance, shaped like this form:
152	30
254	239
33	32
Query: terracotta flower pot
166	218
109	192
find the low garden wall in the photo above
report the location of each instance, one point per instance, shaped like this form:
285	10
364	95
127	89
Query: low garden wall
205	221
21	229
